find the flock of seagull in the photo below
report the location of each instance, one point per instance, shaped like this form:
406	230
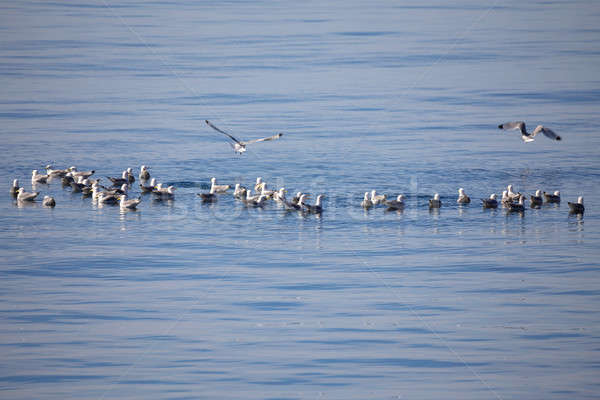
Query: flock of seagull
262	194
512	201
82	182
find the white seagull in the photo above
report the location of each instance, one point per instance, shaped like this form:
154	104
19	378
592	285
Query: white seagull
240	146
526	136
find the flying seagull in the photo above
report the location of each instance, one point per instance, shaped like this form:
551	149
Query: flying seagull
526	136
240	146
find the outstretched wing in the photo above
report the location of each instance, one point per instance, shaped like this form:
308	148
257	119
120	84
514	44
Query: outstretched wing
549	133
277	136
514	125
223	132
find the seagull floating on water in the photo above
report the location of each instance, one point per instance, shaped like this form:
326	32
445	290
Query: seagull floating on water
511	194
124	179
536	200
516	207
150	188
317	208
166	193
38	178
295	205
377	199
239	191
462	197
577	208
218	188
279	196
75	174
397	204
14	189
552	198
491	202
526	136
240	146
130	177
209	197
132	204
56	172
106	198
144	174
26	196
48	201
366	203
435	202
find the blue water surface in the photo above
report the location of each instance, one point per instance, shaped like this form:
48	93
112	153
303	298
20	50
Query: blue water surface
183	300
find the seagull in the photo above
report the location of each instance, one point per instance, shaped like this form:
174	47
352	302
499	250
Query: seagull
106	198
67	179
294	205
38	178
130	177
209	197
397	204
26	196
144	174
239	146
129	204
14	189
250	197
505	199
48	201
518	207
552	198
435	202
267	193
377	199
148	189
577	208
79	185
84	174
119	181
491	202
239	191
259	184
257	202
462	197
296	198
512	195
317	208
536	200
116	191
526	136
366	203
218	188
279	196
162	192
56	172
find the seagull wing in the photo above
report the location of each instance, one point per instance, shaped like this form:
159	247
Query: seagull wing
549	133
223	132
277	136
514	125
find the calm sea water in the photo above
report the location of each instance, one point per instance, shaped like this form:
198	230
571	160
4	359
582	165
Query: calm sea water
180	300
